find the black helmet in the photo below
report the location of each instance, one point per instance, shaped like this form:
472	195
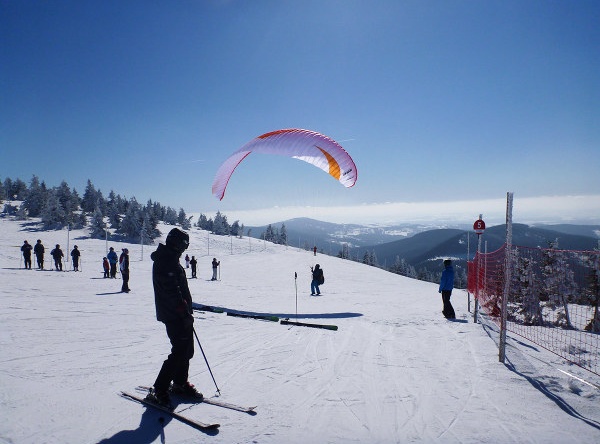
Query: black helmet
178	240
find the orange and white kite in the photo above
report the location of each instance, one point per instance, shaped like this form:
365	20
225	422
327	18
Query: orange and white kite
309	146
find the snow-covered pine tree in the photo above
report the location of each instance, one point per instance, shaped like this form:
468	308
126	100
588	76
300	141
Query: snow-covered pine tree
557	284
235	229
592	291
97	225
53	214
184	221
283	238
89	199
36	197
202	222
170	216
220	225
131	224
527	291
269	233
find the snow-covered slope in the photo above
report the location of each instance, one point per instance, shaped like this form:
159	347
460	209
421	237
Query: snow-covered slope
395	371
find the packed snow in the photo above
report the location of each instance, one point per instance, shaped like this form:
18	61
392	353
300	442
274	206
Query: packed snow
395	371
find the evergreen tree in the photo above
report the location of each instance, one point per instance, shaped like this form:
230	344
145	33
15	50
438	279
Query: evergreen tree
592	292
113	210
283	237
269	233
97	225
89	201
2	192
131	225
344	253
7	186
403	268
220	225
526	291
170	216
202	222
184	221
235	229
19	190
36	197
53	214
366	258
557	284
151	218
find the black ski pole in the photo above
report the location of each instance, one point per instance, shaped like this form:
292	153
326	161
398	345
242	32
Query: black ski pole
296	283
206	360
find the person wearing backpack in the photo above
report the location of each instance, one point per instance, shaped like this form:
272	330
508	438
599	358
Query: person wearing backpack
317	279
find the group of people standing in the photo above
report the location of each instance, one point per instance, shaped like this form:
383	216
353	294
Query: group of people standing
56	253
109	265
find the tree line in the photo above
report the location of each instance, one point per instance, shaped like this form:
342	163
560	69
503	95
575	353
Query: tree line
60	206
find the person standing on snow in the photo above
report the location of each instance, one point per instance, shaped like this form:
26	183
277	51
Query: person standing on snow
317	279
173	302
194	264
446	286
124	267
113	258
75	253
215	265
106	267
187	261
26	249
39	253
57	254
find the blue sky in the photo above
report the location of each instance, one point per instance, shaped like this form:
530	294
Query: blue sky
438	102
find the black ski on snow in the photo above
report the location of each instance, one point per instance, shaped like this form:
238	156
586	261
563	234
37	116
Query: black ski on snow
251	316
191	422
305	324
227	405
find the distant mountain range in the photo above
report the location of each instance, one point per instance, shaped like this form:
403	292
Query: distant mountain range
423	246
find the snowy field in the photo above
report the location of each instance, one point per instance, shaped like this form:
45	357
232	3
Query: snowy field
395	371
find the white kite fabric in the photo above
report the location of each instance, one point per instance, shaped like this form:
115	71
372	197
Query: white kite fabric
309	146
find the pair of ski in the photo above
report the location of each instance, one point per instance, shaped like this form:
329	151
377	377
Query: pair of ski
184	419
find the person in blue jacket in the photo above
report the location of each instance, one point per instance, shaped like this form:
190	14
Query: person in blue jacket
446	286
113	258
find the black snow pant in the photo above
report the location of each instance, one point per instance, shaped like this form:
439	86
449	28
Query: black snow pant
40	261
125	285
27	261
177	365
448	310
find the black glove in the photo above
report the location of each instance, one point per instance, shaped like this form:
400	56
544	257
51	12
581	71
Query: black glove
188	321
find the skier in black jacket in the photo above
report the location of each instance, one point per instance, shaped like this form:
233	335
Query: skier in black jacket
173	302
39	253
26	249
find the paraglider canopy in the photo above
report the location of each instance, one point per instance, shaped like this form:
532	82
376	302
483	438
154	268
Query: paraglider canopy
309	146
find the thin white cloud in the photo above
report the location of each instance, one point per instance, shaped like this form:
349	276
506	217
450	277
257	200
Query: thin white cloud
543	209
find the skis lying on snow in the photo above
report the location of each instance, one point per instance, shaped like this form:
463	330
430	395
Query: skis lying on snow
305	324
191	422
210	308
252	316
239	314
227	405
